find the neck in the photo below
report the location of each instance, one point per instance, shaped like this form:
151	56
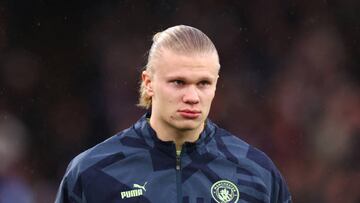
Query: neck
178	136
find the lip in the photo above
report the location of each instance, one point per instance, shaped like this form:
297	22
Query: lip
189	113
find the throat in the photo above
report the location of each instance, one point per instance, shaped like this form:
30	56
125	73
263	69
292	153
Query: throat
178	136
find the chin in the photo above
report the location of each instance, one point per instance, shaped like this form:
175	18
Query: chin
188	126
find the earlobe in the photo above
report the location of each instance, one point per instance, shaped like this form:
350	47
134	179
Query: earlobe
147	81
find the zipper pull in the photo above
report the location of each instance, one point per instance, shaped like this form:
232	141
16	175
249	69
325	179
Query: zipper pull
178	160
178	163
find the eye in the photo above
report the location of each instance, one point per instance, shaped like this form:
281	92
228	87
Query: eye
204	83
178	82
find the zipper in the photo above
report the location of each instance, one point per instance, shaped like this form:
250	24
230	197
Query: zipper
178	163
178	177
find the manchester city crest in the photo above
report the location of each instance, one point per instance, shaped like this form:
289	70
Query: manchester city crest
224	191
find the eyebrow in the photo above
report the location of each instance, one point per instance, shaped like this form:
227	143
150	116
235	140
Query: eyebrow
207	78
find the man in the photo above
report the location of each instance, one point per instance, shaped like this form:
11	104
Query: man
174	153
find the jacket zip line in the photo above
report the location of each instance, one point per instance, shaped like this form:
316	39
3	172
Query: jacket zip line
178	176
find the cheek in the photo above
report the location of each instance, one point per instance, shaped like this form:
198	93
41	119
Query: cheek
209	96
171	94
165	94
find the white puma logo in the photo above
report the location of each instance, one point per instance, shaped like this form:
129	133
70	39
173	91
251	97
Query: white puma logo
136	192
140	186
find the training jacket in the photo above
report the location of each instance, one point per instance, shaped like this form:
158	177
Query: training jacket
135	166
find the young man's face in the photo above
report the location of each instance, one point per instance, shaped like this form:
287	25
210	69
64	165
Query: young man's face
182	89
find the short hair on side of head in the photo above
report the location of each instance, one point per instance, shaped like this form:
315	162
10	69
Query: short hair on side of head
181	39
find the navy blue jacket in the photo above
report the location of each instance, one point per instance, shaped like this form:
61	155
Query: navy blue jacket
135	166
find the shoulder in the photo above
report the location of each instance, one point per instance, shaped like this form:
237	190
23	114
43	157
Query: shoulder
242	150
88	166
253	163
248	159
104	153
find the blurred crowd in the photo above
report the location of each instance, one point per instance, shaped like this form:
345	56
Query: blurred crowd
289	85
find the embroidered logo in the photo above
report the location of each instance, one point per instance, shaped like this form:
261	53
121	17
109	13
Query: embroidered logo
140	186
224	191
136	192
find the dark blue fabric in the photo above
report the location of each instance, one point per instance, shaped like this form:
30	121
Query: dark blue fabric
185	200
135	159
251	199
200	163
244	171
200	200
78	189
254	185
222	147
162	155
258	157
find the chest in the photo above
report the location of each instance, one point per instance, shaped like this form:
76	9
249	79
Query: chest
166	179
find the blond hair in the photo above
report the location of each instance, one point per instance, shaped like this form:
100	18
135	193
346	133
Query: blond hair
180	39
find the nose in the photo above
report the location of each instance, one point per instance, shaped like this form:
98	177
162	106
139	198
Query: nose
191	95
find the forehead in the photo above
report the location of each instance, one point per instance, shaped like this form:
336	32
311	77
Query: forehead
170	64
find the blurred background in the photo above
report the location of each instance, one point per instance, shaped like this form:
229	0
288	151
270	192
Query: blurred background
289	85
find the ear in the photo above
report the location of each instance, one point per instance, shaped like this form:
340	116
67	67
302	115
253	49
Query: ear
147	81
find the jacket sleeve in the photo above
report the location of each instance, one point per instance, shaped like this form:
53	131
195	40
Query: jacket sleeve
280	192
66	192
62	194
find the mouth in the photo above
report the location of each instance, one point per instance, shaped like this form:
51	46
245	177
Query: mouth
189	113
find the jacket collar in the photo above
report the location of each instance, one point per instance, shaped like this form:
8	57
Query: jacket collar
143	129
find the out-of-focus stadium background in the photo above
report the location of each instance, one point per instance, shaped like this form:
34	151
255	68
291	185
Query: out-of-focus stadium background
289	85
